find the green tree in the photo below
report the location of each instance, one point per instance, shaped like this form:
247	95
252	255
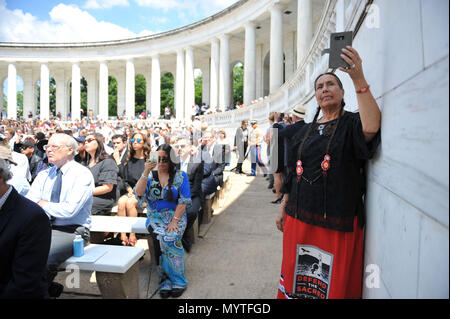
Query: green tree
112	96
198	89
20	103
238	83
167	92
140	93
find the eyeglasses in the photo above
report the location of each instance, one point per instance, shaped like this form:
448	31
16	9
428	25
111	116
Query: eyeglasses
138	140
52	147
163	160
180	146
88	140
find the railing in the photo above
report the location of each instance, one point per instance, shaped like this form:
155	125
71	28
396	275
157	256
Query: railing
299	87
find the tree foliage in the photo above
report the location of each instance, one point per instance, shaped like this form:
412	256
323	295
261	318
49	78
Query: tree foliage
198	89
167	92
238	83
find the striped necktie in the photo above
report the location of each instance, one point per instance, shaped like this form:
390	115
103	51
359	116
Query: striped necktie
56	190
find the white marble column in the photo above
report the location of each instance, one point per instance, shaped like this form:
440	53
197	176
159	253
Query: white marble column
259	71
250	64
120	78
214	75
224	73
45	92
61	88
103	97
12	91
155	95
304	29
1	94
129	90
189	89
276	48
92	92
179	86
205	83
290	54
28	93
76	91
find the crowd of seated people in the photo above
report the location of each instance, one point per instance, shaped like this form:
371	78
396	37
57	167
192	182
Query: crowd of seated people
105	162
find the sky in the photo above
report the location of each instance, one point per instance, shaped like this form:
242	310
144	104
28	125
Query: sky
98	20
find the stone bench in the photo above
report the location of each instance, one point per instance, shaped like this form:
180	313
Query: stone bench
216	200
116	269
120	224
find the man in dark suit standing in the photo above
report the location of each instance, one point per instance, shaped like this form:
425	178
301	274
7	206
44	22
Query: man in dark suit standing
193	167
25	235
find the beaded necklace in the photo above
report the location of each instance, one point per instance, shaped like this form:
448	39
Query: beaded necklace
325	165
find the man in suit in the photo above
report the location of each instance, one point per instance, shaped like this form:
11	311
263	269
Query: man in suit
25	235
213	157
240	145
193	167
284	134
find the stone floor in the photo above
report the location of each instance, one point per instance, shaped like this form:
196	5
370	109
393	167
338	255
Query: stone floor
237	255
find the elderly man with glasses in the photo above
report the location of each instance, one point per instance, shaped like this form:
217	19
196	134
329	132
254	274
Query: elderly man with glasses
64	191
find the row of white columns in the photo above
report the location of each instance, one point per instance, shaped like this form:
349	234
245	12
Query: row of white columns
220	85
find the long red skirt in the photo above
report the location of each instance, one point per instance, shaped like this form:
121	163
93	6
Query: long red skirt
320	263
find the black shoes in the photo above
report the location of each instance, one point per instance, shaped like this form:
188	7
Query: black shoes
165	294
55	290
278	200
175	293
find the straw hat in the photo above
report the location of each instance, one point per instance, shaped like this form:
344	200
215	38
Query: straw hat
5	153
299	110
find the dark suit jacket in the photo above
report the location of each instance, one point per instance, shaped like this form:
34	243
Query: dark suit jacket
285	133
195	173
25	235
213	169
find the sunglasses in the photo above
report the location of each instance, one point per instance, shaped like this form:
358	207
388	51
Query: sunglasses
163	160
88	140
180	146
138	140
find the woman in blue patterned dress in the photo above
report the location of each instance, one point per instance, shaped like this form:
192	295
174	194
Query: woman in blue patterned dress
167	193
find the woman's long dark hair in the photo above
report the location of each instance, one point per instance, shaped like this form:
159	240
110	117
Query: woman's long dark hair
100	153
172	167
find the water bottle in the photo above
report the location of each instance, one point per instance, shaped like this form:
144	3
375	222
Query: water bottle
78	246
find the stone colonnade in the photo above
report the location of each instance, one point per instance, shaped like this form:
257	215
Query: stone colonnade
217	82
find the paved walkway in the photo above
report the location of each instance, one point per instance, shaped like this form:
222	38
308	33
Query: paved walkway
238	254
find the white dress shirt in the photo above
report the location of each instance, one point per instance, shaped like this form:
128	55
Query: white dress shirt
76	197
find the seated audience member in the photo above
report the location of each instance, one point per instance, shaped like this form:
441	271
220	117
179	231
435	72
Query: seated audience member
120	148
81	152
64	191
105	172
213	158
17	179
130	172
193	167
25	234
27	148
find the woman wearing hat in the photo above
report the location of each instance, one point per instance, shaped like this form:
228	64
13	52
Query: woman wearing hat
322	213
